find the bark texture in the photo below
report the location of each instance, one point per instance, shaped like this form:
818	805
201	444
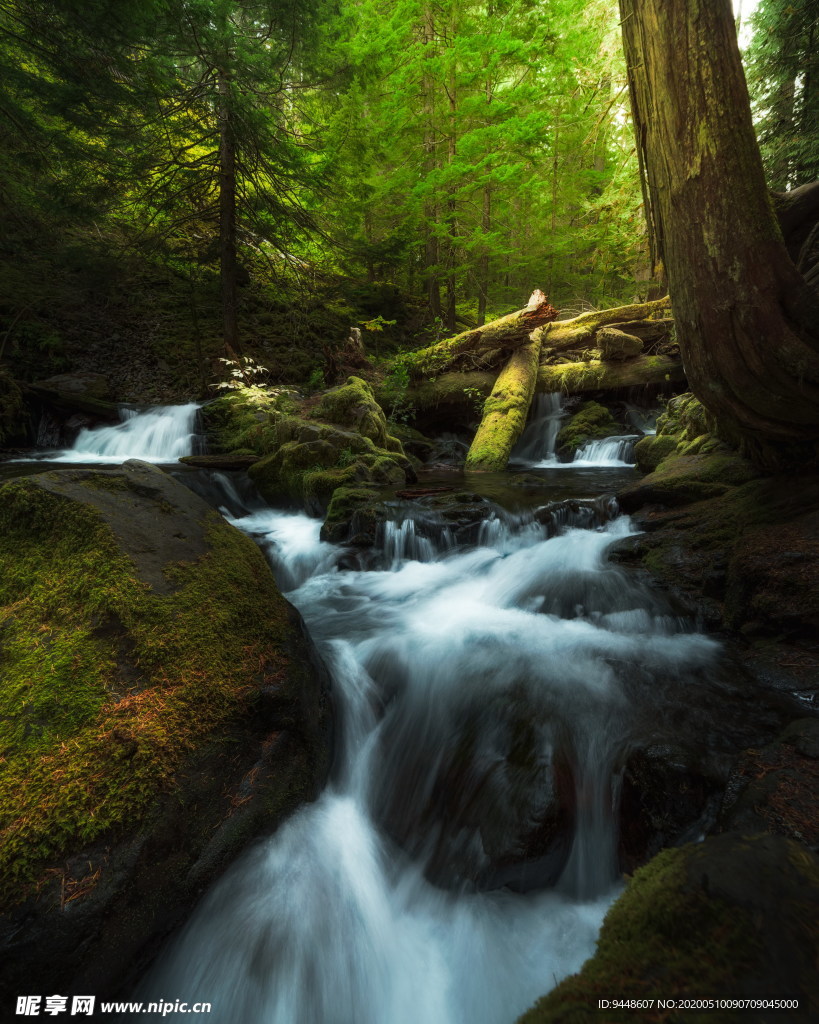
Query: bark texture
485	345
580	331
506	409
747	323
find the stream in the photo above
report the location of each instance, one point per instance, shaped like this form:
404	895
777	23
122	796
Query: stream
461	858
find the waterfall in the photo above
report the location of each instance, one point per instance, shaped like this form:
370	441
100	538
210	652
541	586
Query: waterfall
537	442
377	904
161	434
611	451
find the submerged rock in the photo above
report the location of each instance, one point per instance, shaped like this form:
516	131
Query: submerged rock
591	422
162	705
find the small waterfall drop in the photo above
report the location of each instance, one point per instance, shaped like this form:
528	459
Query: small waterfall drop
537	442
162	434
611	451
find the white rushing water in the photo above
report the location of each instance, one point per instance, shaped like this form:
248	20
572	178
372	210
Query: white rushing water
611	451
537	442
161	434
443	670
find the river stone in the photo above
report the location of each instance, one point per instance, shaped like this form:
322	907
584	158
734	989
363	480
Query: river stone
176	709
734	916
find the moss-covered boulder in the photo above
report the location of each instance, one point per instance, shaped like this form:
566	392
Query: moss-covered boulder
731	917
591	422
354	515
307	448
353	405
683	479
245	420
161	705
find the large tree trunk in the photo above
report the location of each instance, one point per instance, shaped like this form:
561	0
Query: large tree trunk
747	323
506	409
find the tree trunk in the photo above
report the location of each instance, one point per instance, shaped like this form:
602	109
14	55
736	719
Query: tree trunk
595	375
457	391
747	324
431	245
506	409
227	221
485	344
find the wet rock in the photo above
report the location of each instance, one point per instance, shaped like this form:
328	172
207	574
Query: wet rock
735	916
484	796
775	788
175	710
591	422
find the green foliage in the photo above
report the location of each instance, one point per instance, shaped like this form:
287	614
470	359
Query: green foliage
782	68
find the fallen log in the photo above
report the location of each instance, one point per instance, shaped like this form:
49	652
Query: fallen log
506	409
580	331
457	391
482	346
596	375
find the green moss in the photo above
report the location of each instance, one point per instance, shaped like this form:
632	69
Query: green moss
245	419
106	687
649	452
353	405
728	917
591	422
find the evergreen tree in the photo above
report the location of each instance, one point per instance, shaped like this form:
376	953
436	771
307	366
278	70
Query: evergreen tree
782	67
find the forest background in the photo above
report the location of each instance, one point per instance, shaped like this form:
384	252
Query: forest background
182	178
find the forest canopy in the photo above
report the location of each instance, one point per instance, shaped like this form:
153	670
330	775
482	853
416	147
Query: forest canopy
215	172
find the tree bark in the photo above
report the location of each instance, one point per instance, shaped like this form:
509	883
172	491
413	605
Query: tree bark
747	323
227	221
596	375
506	409
458	391
579	332
486	344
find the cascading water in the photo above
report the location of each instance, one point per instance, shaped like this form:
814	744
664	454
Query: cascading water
161	434
611	451
537	442
481	691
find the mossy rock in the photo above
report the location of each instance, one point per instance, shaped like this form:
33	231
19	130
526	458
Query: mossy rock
245	419
353	405
353	516
161	706
685	417
683	479
616	345
591	422
733	916
650	451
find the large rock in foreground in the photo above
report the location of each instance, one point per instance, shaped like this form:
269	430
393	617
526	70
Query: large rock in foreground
732	917
161	704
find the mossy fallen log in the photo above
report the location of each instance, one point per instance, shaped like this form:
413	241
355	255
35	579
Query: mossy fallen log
596	375
580	331
485	345
506	409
